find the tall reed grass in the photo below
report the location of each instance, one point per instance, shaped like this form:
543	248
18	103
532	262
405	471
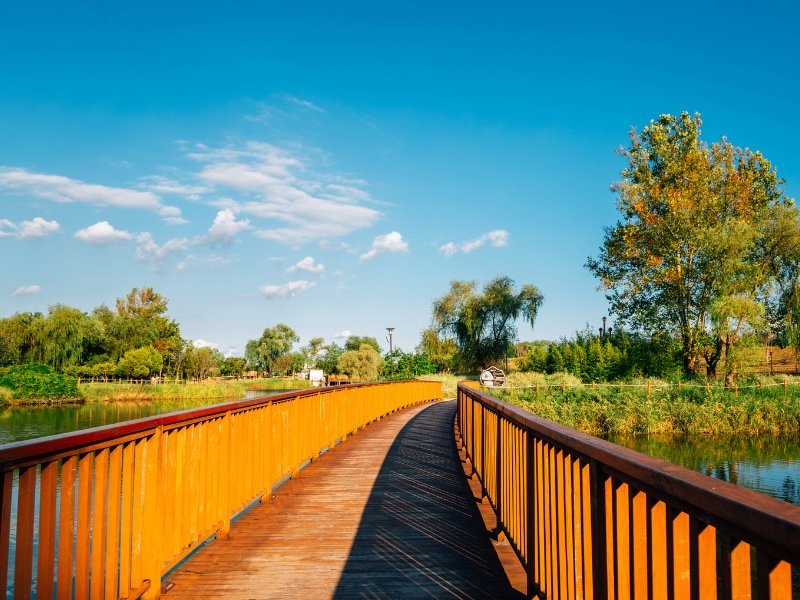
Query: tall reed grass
619	410
216	390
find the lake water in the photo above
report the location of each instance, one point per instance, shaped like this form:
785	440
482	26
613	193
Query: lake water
18	424
765	464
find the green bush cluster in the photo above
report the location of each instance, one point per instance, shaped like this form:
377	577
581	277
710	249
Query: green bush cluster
35	382
402	366
616	355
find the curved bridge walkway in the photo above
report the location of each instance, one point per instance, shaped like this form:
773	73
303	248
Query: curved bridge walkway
387	514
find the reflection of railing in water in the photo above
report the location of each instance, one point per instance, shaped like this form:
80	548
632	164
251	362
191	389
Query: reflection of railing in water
591	519
112	509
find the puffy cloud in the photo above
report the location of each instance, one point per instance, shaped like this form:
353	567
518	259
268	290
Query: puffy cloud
149	251
390	242
225	227
102	234
27	290
497	238
275	185
343	334
34	229
307	264
273	291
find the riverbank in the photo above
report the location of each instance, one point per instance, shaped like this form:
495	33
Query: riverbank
638	409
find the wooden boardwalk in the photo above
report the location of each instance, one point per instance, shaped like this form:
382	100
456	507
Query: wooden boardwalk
388	514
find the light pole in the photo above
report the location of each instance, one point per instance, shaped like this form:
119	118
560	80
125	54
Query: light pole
389	337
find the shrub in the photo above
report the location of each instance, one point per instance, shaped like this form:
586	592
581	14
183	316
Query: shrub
38	382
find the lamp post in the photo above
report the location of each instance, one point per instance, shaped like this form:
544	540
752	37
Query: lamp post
389	337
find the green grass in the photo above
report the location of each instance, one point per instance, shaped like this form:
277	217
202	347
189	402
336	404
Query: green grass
616	410
213	390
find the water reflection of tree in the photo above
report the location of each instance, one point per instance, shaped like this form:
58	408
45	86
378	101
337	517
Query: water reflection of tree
789	491
725	457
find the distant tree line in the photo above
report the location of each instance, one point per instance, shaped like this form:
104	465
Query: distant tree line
134	339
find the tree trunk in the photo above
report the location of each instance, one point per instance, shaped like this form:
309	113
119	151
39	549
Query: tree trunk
712	360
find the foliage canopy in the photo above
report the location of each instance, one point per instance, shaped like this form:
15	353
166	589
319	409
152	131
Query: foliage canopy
483	324
704	234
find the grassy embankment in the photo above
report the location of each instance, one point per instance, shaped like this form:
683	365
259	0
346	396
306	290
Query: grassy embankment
209	390
765	406
29	385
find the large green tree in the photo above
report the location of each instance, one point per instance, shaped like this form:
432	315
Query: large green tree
274	342
354	342
701	240
483	324
363	364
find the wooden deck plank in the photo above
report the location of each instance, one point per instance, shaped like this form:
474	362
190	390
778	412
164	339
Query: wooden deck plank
388	514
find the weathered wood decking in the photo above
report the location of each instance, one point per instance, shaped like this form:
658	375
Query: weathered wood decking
388	514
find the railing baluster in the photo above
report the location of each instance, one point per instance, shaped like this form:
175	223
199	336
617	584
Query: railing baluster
6	485
66	528
23	560
83	534
45	567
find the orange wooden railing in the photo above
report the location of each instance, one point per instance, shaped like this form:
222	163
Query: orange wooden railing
105	512
590	519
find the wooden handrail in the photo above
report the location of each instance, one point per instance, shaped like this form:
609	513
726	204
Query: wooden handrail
122	504
591	519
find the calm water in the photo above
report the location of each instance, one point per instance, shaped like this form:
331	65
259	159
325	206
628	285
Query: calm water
768	465
18	424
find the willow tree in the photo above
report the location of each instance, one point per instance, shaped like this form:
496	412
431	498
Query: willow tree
704	232
483	324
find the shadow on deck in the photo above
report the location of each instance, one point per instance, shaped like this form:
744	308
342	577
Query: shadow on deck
421	534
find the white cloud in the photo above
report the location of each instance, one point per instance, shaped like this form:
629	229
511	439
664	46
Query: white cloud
204	344
307	104
166	186
276	186
272	291
343	334
225	227
327	245
102	234
7	228
497	238
27	290
149	251
390	242
172	215
202	262
34	229
64	189
307	264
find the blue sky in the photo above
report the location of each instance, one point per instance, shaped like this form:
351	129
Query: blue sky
333	166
